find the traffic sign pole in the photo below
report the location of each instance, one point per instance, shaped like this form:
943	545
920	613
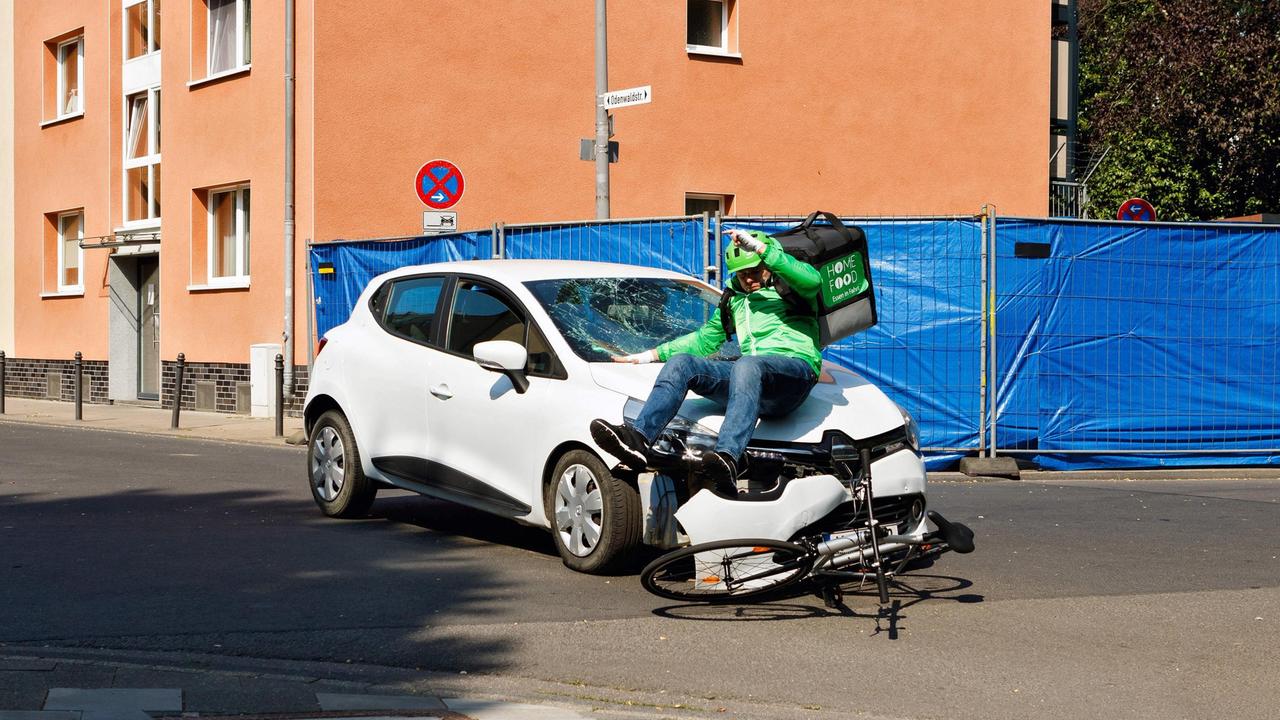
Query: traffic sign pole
602	115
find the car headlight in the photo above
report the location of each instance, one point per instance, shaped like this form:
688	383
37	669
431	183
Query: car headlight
913	430
694	436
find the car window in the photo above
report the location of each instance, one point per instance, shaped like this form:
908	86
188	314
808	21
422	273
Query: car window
480	314
411	307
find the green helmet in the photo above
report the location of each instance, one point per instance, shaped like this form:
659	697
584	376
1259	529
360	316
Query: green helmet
735	258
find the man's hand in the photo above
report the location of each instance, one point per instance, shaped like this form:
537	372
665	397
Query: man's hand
746	240
640	358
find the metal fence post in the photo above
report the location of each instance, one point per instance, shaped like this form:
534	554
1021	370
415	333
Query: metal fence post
79	390
982	342
279	395
2	382
993	381
177	390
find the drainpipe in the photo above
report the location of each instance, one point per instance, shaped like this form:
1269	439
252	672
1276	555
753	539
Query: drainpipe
288	193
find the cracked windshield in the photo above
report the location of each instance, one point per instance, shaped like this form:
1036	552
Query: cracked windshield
602	317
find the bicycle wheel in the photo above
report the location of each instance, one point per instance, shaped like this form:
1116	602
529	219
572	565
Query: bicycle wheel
726	570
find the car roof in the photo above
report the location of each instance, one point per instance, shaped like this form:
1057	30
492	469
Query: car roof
518	271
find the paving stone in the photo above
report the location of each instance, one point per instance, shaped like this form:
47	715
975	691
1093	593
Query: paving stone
115	699
338	701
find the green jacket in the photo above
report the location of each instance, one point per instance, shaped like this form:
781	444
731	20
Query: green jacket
766	324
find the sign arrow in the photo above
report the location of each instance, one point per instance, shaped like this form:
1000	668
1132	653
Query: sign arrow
439	197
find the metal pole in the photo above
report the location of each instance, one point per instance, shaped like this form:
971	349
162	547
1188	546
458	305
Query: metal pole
289	123
602	115
993	380
982	345
177	390
78	366
2	361
279	395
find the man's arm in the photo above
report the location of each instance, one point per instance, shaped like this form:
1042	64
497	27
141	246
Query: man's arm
801	276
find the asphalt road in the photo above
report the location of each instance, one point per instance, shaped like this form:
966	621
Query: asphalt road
1098	598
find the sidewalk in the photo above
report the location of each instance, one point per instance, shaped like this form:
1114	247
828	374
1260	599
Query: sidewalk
153	421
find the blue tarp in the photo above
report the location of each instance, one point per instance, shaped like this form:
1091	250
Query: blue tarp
1138	337
1119	336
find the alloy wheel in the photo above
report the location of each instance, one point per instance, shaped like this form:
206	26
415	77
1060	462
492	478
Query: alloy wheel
328	468
579	510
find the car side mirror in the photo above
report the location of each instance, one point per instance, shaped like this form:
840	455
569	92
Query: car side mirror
505	357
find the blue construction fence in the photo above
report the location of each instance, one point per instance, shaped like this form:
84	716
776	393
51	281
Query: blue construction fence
1073	344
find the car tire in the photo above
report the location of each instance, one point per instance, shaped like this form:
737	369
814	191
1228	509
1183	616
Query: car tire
595	517
338	483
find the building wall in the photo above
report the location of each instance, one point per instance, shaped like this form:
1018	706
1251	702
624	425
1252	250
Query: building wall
6	176
62	166
879	107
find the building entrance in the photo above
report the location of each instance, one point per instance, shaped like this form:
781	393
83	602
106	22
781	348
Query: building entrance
149	328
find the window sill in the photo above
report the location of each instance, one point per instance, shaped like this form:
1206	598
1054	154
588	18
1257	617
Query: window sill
60	120
231	284
64	293
711	52
242	70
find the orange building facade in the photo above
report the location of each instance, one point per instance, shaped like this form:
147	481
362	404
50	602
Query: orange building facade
151	140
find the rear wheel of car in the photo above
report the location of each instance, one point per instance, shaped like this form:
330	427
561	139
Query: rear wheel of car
338	483
595	517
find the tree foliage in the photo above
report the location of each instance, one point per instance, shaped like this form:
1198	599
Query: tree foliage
1186	96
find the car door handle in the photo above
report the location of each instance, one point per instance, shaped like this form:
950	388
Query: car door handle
441	391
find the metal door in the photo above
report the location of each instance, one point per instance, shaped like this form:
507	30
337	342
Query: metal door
149	328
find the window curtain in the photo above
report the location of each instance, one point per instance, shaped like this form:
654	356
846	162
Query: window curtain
222	36
224	234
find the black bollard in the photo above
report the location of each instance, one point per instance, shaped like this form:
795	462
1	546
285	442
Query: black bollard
78	365
1	382
279	395
177	390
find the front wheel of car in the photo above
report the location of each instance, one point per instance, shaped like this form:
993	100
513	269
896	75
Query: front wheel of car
338	483
595	517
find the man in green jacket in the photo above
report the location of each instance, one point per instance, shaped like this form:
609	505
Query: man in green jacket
780	361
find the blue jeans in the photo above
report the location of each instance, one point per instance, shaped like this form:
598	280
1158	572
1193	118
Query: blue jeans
751	387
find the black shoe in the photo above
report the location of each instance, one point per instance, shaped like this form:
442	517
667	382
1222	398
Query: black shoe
623	442
721	469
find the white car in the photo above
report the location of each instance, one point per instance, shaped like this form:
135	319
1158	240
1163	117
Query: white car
476	382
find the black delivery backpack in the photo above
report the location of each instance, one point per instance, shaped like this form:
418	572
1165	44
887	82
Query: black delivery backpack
846	299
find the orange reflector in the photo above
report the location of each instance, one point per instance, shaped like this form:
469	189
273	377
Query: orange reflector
712	579
759	549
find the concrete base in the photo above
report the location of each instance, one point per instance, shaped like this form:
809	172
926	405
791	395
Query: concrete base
1003	467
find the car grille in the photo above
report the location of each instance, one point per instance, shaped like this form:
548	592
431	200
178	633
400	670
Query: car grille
889	510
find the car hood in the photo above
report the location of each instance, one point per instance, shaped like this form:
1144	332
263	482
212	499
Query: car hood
842	400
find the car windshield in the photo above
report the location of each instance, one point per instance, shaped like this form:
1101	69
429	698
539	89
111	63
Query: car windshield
602	317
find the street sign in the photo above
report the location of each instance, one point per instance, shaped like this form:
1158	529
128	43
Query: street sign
1136	209
436	221
439	184
631	96
587	150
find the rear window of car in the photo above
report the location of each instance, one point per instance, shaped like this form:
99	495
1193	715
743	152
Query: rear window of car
411	307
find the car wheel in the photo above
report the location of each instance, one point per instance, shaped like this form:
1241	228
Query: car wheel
595	517
338	483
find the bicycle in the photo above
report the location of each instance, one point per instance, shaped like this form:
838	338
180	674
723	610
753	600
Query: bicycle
859	550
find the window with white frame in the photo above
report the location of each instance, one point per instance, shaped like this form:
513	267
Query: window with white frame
708	26
142	157
142	28
70	91
70	254
230	35
229	234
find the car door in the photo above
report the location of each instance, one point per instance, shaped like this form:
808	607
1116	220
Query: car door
395	367
492	440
